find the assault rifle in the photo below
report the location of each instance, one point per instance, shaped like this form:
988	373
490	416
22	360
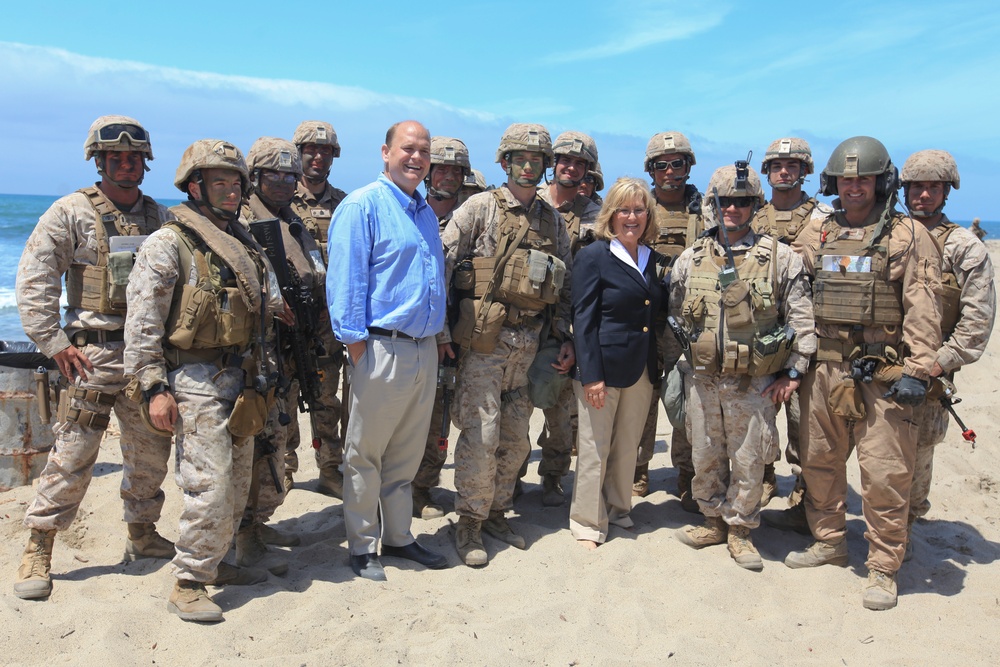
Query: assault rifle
682	337
301	338
446	380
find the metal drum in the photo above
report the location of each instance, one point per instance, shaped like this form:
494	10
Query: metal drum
24	439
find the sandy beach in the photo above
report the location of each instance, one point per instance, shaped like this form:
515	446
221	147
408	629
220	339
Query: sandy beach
642	598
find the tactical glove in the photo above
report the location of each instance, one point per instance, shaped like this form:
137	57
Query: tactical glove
908	390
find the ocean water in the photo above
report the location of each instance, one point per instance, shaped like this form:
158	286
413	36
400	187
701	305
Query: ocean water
19	213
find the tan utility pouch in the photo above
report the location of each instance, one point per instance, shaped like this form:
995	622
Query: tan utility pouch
465	277
531	279
249	414
235	322
737	358
464	331
185	318
119	267
704	353
845	400
736	299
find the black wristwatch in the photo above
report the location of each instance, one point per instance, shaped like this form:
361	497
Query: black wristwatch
157	388
793	374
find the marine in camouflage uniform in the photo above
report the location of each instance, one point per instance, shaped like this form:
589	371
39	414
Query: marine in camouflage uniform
786	164
72	238
592	185
474	183
314	202
191	365
492	403
449	172
876	277
575	155
968	302
730	391
669	158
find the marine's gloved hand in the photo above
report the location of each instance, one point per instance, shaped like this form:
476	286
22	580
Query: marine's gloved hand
908	390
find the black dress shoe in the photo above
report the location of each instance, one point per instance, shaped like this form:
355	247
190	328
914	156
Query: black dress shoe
367	566
417	554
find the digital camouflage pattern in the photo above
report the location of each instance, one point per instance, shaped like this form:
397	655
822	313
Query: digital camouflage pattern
316	132
665	143
930	165
789	148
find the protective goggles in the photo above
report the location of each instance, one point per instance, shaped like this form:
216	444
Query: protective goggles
112	134
738	202
675	164
276	177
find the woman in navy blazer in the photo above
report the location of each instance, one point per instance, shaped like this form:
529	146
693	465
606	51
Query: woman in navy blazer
616	297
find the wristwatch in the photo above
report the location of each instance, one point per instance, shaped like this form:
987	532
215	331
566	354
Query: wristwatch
157	388
793	374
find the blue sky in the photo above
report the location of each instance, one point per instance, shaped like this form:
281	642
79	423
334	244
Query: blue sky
732	76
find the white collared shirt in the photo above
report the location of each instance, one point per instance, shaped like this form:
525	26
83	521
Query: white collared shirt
619	251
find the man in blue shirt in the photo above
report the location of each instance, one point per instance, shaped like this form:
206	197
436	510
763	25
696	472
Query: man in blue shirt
385	289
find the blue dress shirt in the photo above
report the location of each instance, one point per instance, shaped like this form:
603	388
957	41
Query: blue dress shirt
386	264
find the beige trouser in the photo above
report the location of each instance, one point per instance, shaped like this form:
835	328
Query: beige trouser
886	441
605	459
429	472
392	394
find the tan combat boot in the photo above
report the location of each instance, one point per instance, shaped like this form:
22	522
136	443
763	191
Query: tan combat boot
552	491
191	602
423	506
469	542
819	553
791	519
144	542
714	531
770	488
742	550
640	483
252	551
498	527
879	592
331	482
33	580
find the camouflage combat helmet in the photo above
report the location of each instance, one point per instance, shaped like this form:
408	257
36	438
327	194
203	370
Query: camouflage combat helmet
860	156
274	154
316	132
117	133
598	176
930	165
476	180
789	148
667	142
528	137
448	150
725	181
210	154
576	144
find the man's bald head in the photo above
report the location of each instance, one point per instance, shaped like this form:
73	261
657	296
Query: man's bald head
407	154
391	132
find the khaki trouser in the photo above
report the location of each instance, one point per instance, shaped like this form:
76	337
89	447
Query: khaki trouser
605	459
429	473
886	441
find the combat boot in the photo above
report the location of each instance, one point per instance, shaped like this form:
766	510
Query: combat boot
908	553
33	581
688	503
230	575
191	602
289	481
833	552
770	488
498	527
331	482
423	506
469	542
144	542
640	483
552	491
714	531
272	535
742	550
252	551
879	593
791	519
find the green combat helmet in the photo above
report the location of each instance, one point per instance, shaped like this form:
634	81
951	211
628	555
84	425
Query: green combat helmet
210	154
789	148
475	180
929	165
316	132
860	156
117	133
731	181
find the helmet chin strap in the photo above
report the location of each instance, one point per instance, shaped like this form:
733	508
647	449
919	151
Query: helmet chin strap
922	214
229	216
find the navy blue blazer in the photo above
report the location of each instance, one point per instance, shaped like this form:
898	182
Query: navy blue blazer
614	317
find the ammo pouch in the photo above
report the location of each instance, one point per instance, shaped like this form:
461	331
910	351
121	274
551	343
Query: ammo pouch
531	279
736	300
856	298
203	319
249	414
845	400
771	352
704	353
464	332
119	267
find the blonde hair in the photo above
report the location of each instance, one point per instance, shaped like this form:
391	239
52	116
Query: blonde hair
625	191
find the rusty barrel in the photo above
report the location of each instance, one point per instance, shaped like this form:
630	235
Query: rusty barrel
24	440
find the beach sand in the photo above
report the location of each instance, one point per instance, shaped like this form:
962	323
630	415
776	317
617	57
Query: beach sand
642	598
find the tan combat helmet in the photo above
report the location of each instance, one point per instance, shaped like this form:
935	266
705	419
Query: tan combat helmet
726	181
598	177
476	180
528	137
448	150
576	144
665	143
788	148
210	154
929	165
117	133
274	154
316	132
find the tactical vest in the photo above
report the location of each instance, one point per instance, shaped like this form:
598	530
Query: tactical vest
533	276
573	216
303	254
213	312
737	329
951	291
783	225
316	216
678	230
100	287
856	295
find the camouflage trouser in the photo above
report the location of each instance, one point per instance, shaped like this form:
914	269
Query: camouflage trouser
932	420
733	434
264	497
559	434
429	473
325	422
493	410
212	470
647	443
886	442
70	466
